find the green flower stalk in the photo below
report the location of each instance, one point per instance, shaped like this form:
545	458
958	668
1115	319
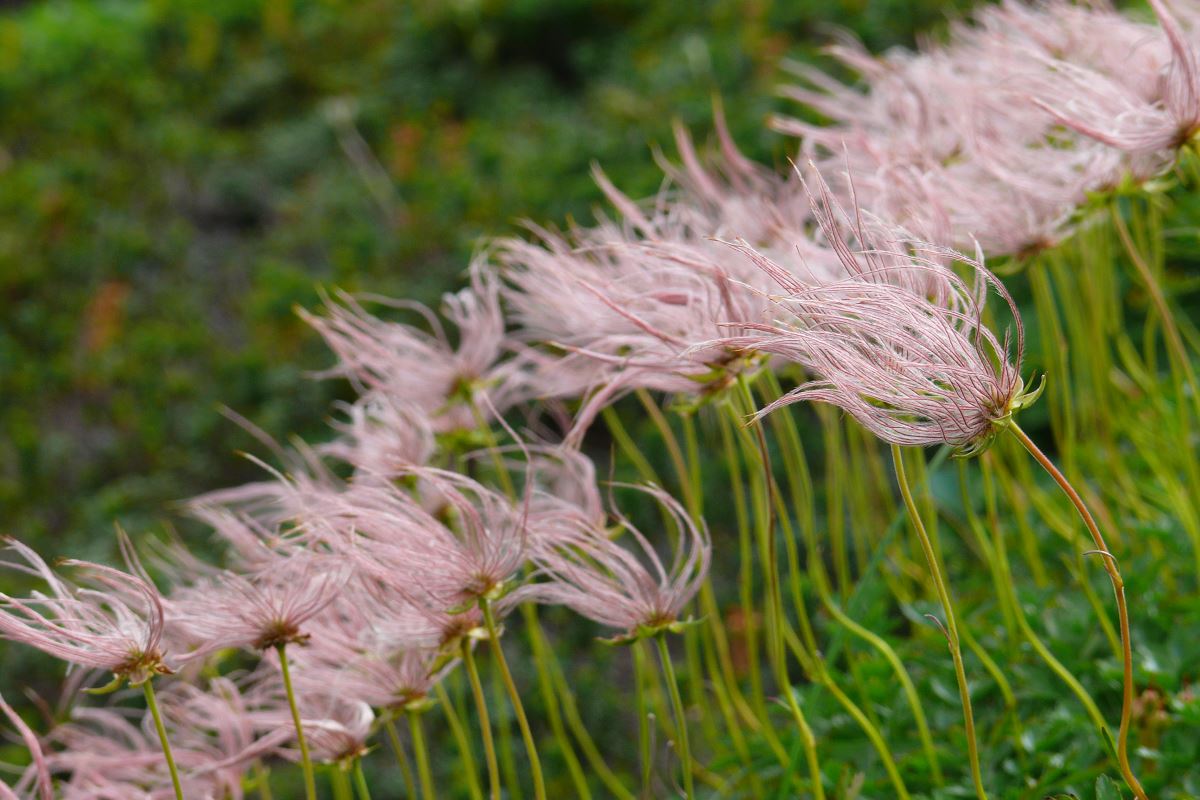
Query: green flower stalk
421	754
627	588
514	695
901	346
681	727
1118	584
310	782
112	621
485	723
951	627
152	704
410	786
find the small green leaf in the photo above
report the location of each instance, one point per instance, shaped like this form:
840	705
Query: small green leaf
622	640
116	683
463	607
1107	789
1109	742
420	705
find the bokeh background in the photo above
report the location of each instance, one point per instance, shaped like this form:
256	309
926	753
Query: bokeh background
176	177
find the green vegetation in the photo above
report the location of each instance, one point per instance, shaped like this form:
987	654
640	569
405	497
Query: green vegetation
176	178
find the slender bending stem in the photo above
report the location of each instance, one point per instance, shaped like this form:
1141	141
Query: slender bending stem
1114	575
493	447
1174	341
750	632
152	703
410	788
360	780
686	460
628	446
1009	583
645	750
869	728
951	624
467	762
776	622
544	660
310	782
340	783
856	603
898	668
535	634
485	723
511	773
571	711
685	751
535	764
795	464
422	755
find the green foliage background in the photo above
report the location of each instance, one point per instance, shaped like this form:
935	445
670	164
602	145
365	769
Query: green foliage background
176	177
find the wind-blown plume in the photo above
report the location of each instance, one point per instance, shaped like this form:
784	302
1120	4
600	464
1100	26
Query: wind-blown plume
619	585
113	620
900	344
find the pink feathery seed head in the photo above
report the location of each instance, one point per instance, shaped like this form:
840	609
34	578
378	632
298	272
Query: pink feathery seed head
465	551
1025	204
618	582
212	730
1181	84
560	481
1148	106
867	249
278	499
415	367
39	770
1002	118
108	755
491	528
387	609
250	544
376	670
377	648
479	318
112	620
337	730
623	304
1107	107
340	731
914	369
626	300
279	517
413	674
1095	35
704	195
380	436
724	193
629	314
911	110
261	610
564	484
100	747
